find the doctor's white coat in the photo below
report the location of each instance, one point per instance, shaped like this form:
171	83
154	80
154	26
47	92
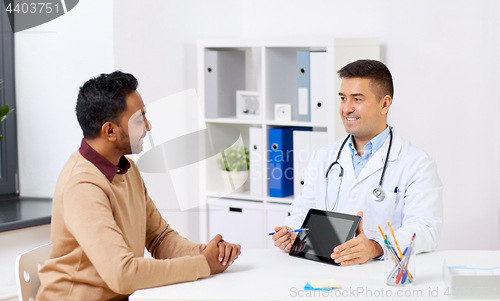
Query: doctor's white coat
413	192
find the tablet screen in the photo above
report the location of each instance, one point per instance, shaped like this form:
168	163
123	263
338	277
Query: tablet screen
326	231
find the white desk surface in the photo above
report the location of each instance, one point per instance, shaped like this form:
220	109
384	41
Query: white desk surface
271	274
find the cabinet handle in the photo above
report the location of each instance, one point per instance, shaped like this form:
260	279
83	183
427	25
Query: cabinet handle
319	104
301	182
233	209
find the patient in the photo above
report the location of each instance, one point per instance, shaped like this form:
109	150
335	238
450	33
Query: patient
102	216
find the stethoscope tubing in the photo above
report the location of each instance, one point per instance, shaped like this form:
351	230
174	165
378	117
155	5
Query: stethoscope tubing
377	194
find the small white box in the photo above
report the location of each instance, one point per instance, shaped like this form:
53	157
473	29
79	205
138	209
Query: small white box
479	279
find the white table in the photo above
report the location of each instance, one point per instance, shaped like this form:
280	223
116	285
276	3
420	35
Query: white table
270	274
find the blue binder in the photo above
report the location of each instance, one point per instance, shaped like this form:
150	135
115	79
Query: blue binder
280	162
304	85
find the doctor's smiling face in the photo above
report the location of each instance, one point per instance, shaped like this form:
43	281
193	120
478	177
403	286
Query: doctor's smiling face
363	114
365	98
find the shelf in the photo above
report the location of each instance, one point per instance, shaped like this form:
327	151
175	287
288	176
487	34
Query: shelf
18	212
283	42
285	200
239	196
270	67
295	123
234	120
246	196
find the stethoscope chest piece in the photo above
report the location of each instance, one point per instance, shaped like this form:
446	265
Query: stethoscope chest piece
378	194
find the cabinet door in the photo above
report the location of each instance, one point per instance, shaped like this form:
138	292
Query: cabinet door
237	221
276	215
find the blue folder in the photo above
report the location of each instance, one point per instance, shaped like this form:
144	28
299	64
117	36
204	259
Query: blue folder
280	162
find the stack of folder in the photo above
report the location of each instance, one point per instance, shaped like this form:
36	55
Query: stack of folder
312	86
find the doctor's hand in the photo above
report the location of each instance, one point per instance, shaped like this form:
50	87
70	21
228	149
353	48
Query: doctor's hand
220	254
360	249
282	239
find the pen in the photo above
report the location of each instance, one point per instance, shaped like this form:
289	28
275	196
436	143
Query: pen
406	249
410	249
291	231
380	229
397	246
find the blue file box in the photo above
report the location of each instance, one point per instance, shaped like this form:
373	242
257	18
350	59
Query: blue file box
280	162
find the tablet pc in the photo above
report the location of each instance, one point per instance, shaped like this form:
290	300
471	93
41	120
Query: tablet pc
326	231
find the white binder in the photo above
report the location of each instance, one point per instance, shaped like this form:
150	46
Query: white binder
303	84
224	75
304	143
256	161
319	83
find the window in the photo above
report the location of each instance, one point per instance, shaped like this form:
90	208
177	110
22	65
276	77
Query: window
8	128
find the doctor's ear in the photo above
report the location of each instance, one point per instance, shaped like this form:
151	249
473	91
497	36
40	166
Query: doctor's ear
386	103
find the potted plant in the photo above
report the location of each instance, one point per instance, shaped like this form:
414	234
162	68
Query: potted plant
234	163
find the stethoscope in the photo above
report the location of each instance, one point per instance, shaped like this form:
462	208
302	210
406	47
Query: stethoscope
377	194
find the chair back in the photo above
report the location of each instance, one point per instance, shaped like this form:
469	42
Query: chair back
27	266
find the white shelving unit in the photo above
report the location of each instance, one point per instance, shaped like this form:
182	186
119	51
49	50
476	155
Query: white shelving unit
270	68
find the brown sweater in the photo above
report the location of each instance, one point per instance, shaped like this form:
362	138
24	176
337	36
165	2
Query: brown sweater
99	231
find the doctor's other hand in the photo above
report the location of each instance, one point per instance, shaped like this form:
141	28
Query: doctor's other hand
360	249
282	239
220	254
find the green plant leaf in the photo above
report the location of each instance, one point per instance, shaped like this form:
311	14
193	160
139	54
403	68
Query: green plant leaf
4	111
1	137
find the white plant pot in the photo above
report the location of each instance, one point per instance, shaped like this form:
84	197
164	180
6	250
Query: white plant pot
238	179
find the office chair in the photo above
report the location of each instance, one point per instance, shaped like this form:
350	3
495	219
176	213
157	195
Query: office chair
27	266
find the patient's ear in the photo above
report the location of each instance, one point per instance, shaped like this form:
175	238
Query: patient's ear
109	131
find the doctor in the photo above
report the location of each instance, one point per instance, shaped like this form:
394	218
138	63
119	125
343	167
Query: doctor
412	190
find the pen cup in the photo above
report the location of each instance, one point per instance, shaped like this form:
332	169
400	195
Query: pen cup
397	271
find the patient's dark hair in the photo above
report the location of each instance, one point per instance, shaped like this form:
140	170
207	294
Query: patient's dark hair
378	73
102	99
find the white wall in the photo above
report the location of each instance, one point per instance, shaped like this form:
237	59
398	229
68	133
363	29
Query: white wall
52	61
444	59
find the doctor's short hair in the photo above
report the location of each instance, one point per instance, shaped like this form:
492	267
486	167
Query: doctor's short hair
380	76
102	99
